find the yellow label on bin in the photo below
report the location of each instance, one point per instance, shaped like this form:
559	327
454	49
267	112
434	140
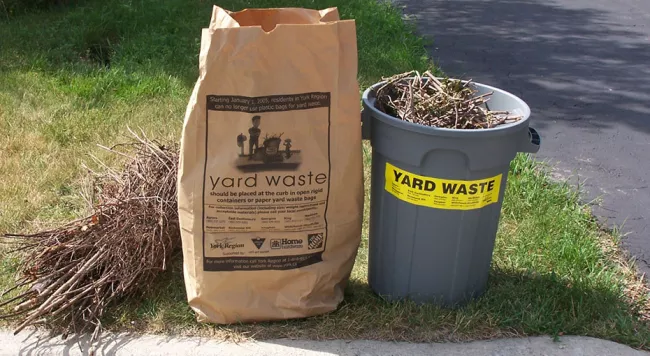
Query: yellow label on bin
442	193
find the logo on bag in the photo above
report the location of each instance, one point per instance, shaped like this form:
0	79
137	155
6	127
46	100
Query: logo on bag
226	244
315	241
258	241
282	244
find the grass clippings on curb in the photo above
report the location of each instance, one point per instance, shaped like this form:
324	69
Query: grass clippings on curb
76	76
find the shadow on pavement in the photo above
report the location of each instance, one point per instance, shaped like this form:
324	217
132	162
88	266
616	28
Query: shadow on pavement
588	68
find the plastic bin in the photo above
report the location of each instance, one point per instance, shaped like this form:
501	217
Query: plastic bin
436	199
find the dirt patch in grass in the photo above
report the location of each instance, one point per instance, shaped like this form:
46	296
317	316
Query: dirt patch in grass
99	47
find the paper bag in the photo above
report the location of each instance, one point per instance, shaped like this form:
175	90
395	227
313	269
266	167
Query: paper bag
270	186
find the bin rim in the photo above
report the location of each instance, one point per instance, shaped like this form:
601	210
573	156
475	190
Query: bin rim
368	99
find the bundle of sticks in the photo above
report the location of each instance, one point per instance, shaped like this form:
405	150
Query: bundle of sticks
447	103
71	274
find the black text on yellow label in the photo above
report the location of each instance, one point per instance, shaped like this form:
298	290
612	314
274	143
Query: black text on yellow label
442	193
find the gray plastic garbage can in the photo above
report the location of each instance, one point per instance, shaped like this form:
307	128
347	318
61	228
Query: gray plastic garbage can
436	198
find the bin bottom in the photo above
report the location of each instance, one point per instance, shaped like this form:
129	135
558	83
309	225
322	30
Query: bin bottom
438	299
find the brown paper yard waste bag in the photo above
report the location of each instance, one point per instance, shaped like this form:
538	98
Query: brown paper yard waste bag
270	184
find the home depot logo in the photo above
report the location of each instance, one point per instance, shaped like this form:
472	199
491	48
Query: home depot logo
315	241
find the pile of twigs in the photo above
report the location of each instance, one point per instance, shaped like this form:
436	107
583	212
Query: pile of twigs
447	103
71	274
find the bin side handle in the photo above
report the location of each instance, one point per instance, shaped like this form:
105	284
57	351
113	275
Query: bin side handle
365	124
532	141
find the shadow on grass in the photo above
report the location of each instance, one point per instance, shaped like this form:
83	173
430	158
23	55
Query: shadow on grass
161	40
12	9
515	304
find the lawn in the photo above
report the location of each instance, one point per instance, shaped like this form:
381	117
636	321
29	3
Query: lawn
74	77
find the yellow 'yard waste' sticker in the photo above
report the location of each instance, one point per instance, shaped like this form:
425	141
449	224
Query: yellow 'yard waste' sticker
442	193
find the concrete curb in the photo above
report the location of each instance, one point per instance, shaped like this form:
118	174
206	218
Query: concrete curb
128	344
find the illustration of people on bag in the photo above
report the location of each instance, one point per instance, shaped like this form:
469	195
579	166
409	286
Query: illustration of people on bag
268	156
254	133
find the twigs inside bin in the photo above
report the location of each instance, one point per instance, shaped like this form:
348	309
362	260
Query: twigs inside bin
447	103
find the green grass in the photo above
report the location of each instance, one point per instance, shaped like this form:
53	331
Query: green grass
554	273
76	76
58	98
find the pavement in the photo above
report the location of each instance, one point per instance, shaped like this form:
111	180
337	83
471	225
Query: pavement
127	345
582	66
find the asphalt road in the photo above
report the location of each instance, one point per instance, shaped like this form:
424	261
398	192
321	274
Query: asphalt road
583	66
